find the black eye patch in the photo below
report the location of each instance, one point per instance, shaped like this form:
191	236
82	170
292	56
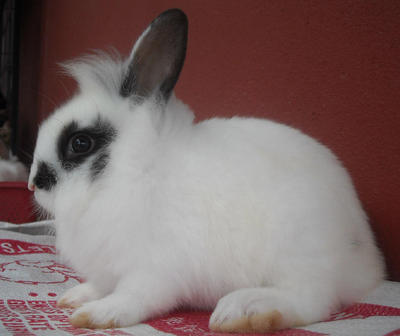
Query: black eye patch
46	177
99	164
76	145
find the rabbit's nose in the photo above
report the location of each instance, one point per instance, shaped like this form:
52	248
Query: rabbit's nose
45	178
31	187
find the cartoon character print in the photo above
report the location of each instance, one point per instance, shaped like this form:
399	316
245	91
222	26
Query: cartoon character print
36	272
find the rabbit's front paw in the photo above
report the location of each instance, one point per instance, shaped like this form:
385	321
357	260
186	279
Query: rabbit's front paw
94	315
78	295
112	311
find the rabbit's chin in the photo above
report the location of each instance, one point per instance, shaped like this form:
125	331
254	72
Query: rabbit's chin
44	202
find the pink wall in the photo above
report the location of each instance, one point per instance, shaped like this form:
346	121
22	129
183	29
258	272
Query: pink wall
330	68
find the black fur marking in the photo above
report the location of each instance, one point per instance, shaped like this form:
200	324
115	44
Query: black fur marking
46	177
101	134
99	164
158	59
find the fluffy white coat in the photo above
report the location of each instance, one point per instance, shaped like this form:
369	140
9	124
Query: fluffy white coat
247	216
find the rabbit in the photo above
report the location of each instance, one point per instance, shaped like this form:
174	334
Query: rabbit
12	169
245	216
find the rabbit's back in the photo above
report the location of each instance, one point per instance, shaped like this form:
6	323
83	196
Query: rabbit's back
272	201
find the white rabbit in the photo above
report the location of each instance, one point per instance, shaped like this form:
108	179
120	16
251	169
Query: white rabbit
247	216
12	170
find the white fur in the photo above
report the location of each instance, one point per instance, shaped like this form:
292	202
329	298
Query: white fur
12	170
243	209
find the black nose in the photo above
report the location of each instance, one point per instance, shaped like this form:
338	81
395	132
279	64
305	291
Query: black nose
46	177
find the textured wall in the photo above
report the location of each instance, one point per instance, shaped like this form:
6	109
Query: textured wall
330	68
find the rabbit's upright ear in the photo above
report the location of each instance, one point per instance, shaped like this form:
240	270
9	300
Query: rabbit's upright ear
157	57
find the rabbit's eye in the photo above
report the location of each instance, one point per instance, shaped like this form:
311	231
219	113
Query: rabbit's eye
81	143
76	145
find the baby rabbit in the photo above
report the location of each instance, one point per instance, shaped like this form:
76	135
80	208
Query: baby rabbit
245	216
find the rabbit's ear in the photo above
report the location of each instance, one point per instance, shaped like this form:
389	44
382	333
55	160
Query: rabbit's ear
157	57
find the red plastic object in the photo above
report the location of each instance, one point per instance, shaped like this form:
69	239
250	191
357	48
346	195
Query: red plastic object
16	203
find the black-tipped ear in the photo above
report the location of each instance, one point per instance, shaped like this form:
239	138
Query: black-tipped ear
157	57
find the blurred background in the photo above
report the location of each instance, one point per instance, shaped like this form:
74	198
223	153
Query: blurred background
329	68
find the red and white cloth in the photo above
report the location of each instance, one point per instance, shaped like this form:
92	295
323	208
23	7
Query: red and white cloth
31	280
